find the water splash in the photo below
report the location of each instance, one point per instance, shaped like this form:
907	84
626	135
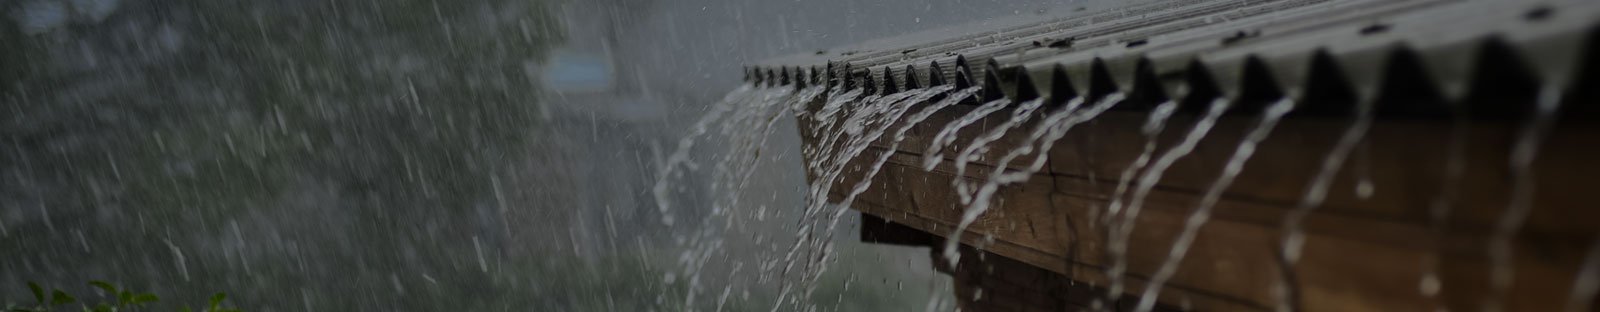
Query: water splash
1202	213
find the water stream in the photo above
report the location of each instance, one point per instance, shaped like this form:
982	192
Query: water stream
980	145
1202	212
1040	140
863	125
1524	151
1293	239
1153	126
843	206
1443	205
948	134
1118	237
759	111
1119	234
856	135
680	156
898	137
1587	283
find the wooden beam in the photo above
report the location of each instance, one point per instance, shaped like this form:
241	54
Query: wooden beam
1361	252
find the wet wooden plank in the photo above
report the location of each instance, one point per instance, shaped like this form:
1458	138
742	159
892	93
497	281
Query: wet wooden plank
1405	161
1362	253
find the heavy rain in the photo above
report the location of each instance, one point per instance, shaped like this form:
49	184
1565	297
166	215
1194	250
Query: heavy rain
815	155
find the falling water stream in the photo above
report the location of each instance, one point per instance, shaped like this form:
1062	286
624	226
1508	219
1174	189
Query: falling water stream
1040	140
948	134
1587	283
736	168
1316	192
739	163
825	123
1152	129
980	145
1439	210
863	126
1202	212
680	156
486	155
897	105
847	124
1117	240
833	220
743	110
1526	149
894	144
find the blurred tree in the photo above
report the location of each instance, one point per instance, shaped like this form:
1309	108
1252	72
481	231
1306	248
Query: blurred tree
356	143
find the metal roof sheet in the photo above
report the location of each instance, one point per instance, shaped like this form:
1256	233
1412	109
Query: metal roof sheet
1376	50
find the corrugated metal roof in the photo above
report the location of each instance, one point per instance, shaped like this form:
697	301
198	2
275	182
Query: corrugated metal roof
1411	55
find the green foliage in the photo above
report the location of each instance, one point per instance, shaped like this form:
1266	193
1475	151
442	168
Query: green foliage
38	292
123	300
59	297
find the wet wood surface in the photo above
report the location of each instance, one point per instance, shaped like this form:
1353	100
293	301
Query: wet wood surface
1363	250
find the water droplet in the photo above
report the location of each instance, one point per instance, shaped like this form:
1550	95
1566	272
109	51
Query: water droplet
1429	285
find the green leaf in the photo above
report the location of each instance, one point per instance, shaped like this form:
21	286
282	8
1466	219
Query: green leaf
217	300
124	298
59	297
38	292
111	290
145	297
104	308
